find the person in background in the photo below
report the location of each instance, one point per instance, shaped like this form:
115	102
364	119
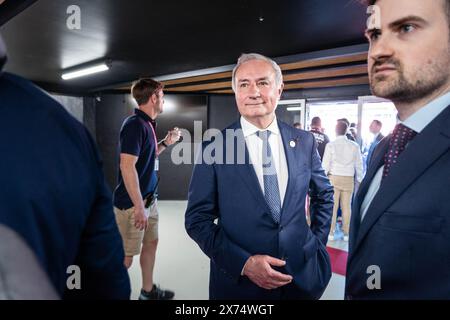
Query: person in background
354	132
375	129
297	125
321	138
347	134
135	197
341	162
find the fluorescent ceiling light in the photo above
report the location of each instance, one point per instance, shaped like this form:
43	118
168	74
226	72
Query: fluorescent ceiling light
85	71
294	109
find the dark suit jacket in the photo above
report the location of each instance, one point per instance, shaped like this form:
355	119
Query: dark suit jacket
53	193
373	145
231	193
406	231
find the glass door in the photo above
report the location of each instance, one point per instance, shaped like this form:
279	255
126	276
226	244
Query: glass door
292	112
329	112
373	108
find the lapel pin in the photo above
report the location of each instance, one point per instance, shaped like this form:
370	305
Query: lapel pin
292	144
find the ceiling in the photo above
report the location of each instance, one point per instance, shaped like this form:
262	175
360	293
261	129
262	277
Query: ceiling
155	38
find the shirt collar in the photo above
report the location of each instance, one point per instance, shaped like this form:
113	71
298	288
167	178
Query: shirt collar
144	116
248	128
424	116
342	137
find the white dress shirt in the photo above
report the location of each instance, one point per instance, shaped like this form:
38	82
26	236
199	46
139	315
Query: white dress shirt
417	122
254	146
343	158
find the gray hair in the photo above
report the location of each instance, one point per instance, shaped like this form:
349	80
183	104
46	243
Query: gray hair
245	57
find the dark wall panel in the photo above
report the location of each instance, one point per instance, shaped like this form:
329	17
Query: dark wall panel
222	111
328	93
179	110
74	105
89	116
110	112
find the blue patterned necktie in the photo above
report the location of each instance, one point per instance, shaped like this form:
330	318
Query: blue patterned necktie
271	191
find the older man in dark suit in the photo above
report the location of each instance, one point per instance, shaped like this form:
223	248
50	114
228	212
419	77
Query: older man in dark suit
262	246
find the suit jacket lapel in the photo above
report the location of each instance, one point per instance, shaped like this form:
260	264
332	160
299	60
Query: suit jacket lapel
288	135
246	171
376	163
421	153
380	137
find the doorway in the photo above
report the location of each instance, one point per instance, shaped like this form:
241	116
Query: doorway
291	112
329	112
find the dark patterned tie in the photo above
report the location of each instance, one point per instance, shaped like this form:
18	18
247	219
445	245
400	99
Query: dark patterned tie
271	191
400	138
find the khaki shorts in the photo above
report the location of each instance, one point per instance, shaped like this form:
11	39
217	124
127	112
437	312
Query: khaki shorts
131	236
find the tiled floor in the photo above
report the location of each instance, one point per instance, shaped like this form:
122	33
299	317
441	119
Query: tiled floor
182	266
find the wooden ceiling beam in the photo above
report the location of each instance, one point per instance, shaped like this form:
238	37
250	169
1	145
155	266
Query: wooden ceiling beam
346	58
328	83
227	91
200	87
327	73
207	77
310	63
309	75
313	84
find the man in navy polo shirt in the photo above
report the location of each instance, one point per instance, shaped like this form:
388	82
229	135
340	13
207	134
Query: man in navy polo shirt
135	195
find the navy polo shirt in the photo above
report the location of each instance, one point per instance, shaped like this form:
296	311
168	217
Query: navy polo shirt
137	139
